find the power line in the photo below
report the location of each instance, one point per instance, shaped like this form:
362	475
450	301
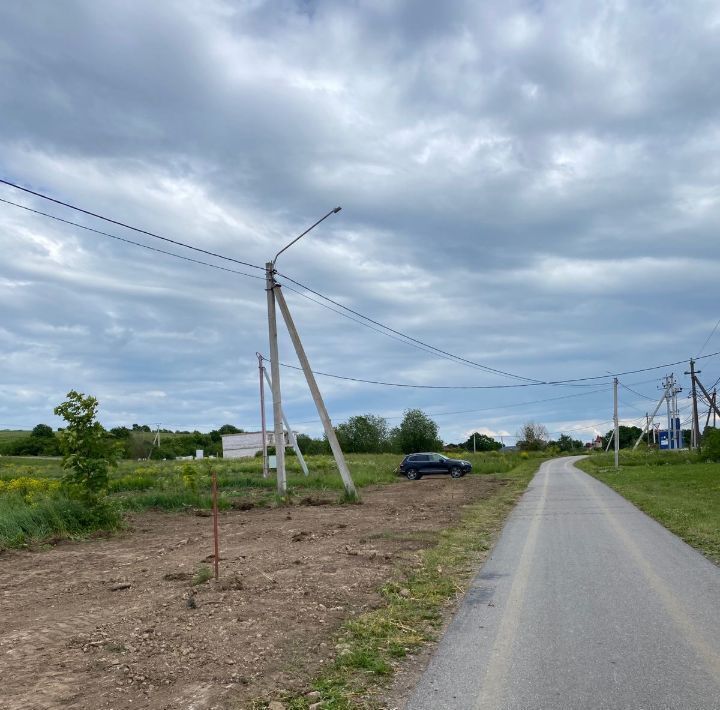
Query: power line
637	393
130	241
487	368
128	226
527	381
475	387
707	340
488	409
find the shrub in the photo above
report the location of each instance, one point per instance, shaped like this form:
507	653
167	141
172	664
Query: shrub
711	444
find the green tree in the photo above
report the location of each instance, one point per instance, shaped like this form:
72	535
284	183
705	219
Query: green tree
364	434
711	444
566	443
628	435
229	429
417	432
88	452
312	447
120	432
482	442
532	437
42	431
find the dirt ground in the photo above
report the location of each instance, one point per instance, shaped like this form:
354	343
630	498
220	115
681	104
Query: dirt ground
117	623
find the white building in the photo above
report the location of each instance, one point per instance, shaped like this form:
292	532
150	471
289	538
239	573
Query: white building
247	444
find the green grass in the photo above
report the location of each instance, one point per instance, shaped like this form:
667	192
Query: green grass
370	646
203	574
12	435
183	485
676	488
51	517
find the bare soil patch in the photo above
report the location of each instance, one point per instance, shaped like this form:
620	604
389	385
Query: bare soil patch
118	623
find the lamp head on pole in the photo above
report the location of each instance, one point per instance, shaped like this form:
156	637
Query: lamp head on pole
333	211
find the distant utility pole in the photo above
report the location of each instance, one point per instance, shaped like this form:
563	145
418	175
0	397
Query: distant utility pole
291	435
695	434
647	428
275	296
155	441
616	422
261	370
651	419
712	400
474	449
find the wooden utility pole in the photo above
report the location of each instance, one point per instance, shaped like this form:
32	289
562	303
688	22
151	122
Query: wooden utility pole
695	438
711	400
615	420
271	286
315	391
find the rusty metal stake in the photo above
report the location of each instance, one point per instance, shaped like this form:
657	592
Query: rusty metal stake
216	533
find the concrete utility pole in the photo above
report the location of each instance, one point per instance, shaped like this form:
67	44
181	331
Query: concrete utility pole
711	400
271	285
668	399
695	438
615	420
652	418
274	295
315	391
261	370
291	435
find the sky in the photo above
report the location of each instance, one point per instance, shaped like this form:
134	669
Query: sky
532	187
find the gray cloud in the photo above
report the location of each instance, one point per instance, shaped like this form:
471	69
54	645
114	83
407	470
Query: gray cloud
533	187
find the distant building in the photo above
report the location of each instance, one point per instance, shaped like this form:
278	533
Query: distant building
246	444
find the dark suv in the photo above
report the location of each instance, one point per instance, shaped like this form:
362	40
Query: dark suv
415	466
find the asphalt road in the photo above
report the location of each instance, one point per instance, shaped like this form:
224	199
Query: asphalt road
585	603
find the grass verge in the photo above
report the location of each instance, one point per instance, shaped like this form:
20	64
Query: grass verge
677	489
53	517
370	646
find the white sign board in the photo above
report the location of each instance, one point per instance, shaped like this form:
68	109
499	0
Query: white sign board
272	461
199	454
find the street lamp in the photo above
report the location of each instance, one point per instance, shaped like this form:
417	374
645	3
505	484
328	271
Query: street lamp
271	285
309	229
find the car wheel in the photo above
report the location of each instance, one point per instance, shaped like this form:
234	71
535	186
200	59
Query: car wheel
456	472
412	475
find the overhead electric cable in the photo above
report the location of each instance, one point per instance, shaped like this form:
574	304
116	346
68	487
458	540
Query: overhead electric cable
707	340
130	241
529	381
639	394
476	387
487	409
487	368
128	226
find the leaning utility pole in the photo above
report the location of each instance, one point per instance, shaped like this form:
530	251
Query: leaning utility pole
274	295
315	391
652	418
615	421
291	435
261	370
711	400
695	438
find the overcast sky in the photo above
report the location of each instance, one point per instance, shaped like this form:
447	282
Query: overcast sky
531	186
